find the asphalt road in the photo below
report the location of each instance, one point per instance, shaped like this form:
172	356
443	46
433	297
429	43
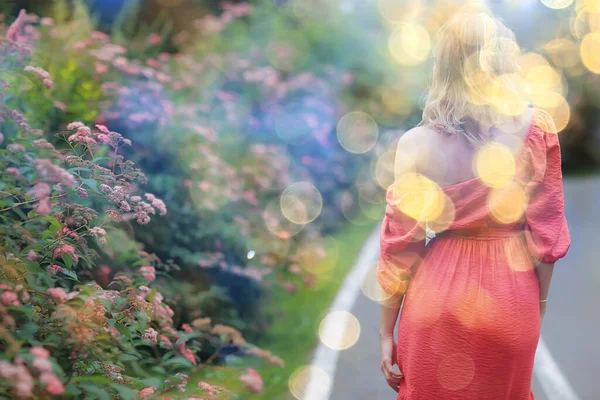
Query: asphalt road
571	328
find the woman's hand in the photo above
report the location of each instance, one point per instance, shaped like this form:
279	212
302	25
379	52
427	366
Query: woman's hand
542	309
387	347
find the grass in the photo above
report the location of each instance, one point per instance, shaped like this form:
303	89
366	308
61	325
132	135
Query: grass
293	334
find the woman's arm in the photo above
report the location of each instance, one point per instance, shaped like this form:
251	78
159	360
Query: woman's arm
389	315
544	273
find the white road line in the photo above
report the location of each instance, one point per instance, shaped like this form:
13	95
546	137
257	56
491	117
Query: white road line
325	358
551	379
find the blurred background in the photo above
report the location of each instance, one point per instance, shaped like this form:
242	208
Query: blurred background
268	128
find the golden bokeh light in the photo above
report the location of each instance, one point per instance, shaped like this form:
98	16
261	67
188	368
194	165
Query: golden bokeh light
563	52
557	4
318	256
560	112
384	168
489	54
589	52
372	289
339	330
494	165
592	6
399	10
445	218
508	95
410	44
418	197
277	223
507	204
299	381
301	203
357	132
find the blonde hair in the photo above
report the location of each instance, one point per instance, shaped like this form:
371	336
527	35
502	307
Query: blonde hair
472	52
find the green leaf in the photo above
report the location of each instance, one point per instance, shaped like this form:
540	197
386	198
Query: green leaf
91	183
125	392
100	392
179	361
152	381
28	331
127	357
123	330
68	260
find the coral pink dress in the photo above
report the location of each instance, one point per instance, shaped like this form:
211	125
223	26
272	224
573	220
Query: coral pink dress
470	322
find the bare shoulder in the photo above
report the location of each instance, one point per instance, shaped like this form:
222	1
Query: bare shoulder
413	149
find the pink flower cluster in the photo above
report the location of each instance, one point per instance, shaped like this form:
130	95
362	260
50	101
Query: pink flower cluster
47	169
150	335
187	353
82	134
42	74
58	294
42	363
147	392
19	375
252	380
149	273
99	233
63	249
15	28
41	191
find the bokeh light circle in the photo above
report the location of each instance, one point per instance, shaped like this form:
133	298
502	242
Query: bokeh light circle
410	44
300	378
557	4
277	223
339	330
399	10
456	371
301	203
589	52
507	205
418	197
357	132
494	164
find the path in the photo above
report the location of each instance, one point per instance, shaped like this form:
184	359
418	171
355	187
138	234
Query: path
570	329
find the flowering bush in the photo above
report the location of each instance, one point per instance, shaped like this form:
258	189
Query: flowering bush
63	196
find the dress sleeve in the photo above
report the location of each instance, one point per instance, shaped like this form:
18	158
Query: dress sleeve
546	229
402	241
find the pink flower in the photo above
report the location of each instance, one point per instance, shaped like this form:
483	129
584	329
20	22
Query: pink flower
206	387
53	385
154	39
147	391
42	364
150	335
39	352
54	269
101	68
15	147
12	170
186	328
187	353
60	105
42	75
43	207
65	249
9	299
31	255
46	21
58	294
252	380
102	128
149	273
166	341
40	190
13	31
97	35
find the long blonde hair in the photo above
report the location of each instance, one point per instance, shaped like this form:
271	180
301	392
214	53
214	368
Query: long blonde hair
474	81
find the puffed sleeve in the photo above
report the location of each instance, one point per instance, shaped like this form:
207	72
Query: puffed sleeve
546	229
402	241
